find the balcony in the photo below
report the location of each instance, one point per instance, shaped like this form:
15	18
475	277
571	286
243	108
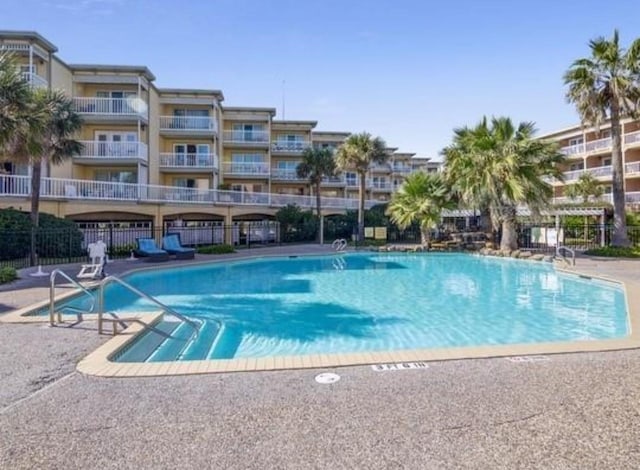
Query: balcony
191	162
333	181
598	145
295	148
35	80
250	170
632	169
632	197
99	152
246	138
111	109
571	150
632	138
380	168
380	186
402	170
188	125
285	175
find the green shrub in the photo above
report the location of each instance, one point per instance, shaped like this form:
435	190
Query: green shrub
8	274
615	252
55	238
216	249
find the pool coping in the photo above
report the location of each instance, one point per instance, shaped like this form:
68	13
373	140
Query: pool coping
99	363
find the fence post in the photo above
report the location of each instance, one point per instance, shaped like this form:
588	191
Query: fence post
69	244
603	228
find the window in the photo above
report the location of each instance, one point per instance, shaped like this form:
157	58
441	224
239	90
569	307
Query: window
249	133
190	119
116	176
116	144
575	141
351	178
192	154
249	163
606	161
117	103
577	166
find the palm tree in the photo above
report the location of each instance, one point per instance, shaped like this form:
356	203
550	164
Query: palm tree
587	186
503	166
607	85
315	165
421	199
358	153
20	118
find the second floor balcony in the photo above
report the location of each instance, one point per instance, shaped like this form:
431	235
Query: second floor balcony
285	174
188	125
35	80
256	169
106	109
188	161
100	152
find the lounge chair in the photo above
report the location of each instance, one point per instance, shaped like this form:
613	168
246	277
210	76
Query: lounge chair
171	244
148	250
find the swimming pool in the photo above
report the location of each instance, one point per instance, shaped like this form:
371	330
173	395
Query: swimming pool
367	302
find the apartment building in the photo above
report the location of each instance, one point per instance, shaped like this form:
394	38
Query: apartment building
588	150
155	155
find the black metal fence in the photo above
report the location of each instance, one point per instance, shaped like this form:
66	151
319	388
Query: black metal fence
70	246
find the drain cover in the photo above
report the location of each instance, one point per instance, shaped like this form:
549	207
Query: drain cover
327	378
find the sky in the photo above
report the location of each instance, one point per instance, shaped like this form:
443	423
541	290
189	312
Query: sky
409	71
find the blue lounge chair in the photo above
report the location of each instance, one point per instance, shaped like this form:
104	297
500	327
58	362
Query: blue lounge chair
148	250
171	244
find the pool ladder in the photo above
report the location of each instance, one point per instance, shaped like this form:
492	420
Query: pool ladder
339	244
53	314
561	251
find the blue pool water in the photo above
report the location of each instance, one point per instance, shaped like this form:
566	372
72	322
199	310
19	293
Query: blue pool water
369	302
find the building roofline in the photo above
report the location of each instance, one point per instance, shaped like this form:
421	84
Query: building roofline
32	35
294	122
249	109
194	91
342	133
113	68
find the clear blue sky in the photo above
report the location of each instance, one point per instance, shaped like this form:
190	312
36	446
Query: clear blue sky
406	70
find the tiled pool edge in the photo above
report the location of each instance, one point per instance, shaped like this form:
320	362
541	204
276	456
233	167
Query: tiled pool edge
98	364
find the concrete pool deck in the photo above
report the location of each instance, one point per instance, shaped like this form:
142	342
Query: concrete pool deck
568	411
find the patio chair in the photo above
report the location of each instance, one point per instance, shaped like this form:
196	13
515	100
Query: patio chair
171	244
148	250
98	255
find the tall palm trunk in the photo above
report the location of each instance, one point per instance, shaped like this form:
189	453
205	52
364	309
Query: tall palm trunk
36	174
425	235
619	237
320	238
363	183
509	239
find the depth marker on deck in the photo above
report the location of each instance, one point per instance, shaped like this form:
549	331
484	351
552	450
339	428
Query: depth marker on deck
528	359
399	366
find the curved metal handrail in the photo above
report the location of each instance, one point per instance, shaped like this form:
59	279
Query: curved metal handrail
559	250
339	244
165	308
52	295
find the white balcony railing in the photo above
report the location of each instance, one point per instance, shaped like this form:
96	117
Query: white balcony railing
245	169
567	200
246	137
113	150
403	170
599	144
285	175
131	106
188	123
380	168
333	180
35	80
632	137
290	147
205	161
380	185
632	197
70	189
572	149
633	167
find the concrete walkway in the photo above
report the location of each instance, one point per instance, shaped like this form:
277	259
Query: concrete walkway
570	411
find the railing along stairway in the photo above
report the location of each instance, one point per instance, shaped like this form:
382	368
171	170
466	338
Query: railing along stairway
55	315
561	254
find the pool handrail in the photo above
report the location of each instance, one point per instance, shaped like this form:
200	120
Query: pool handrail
138	292
561	248
52	294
